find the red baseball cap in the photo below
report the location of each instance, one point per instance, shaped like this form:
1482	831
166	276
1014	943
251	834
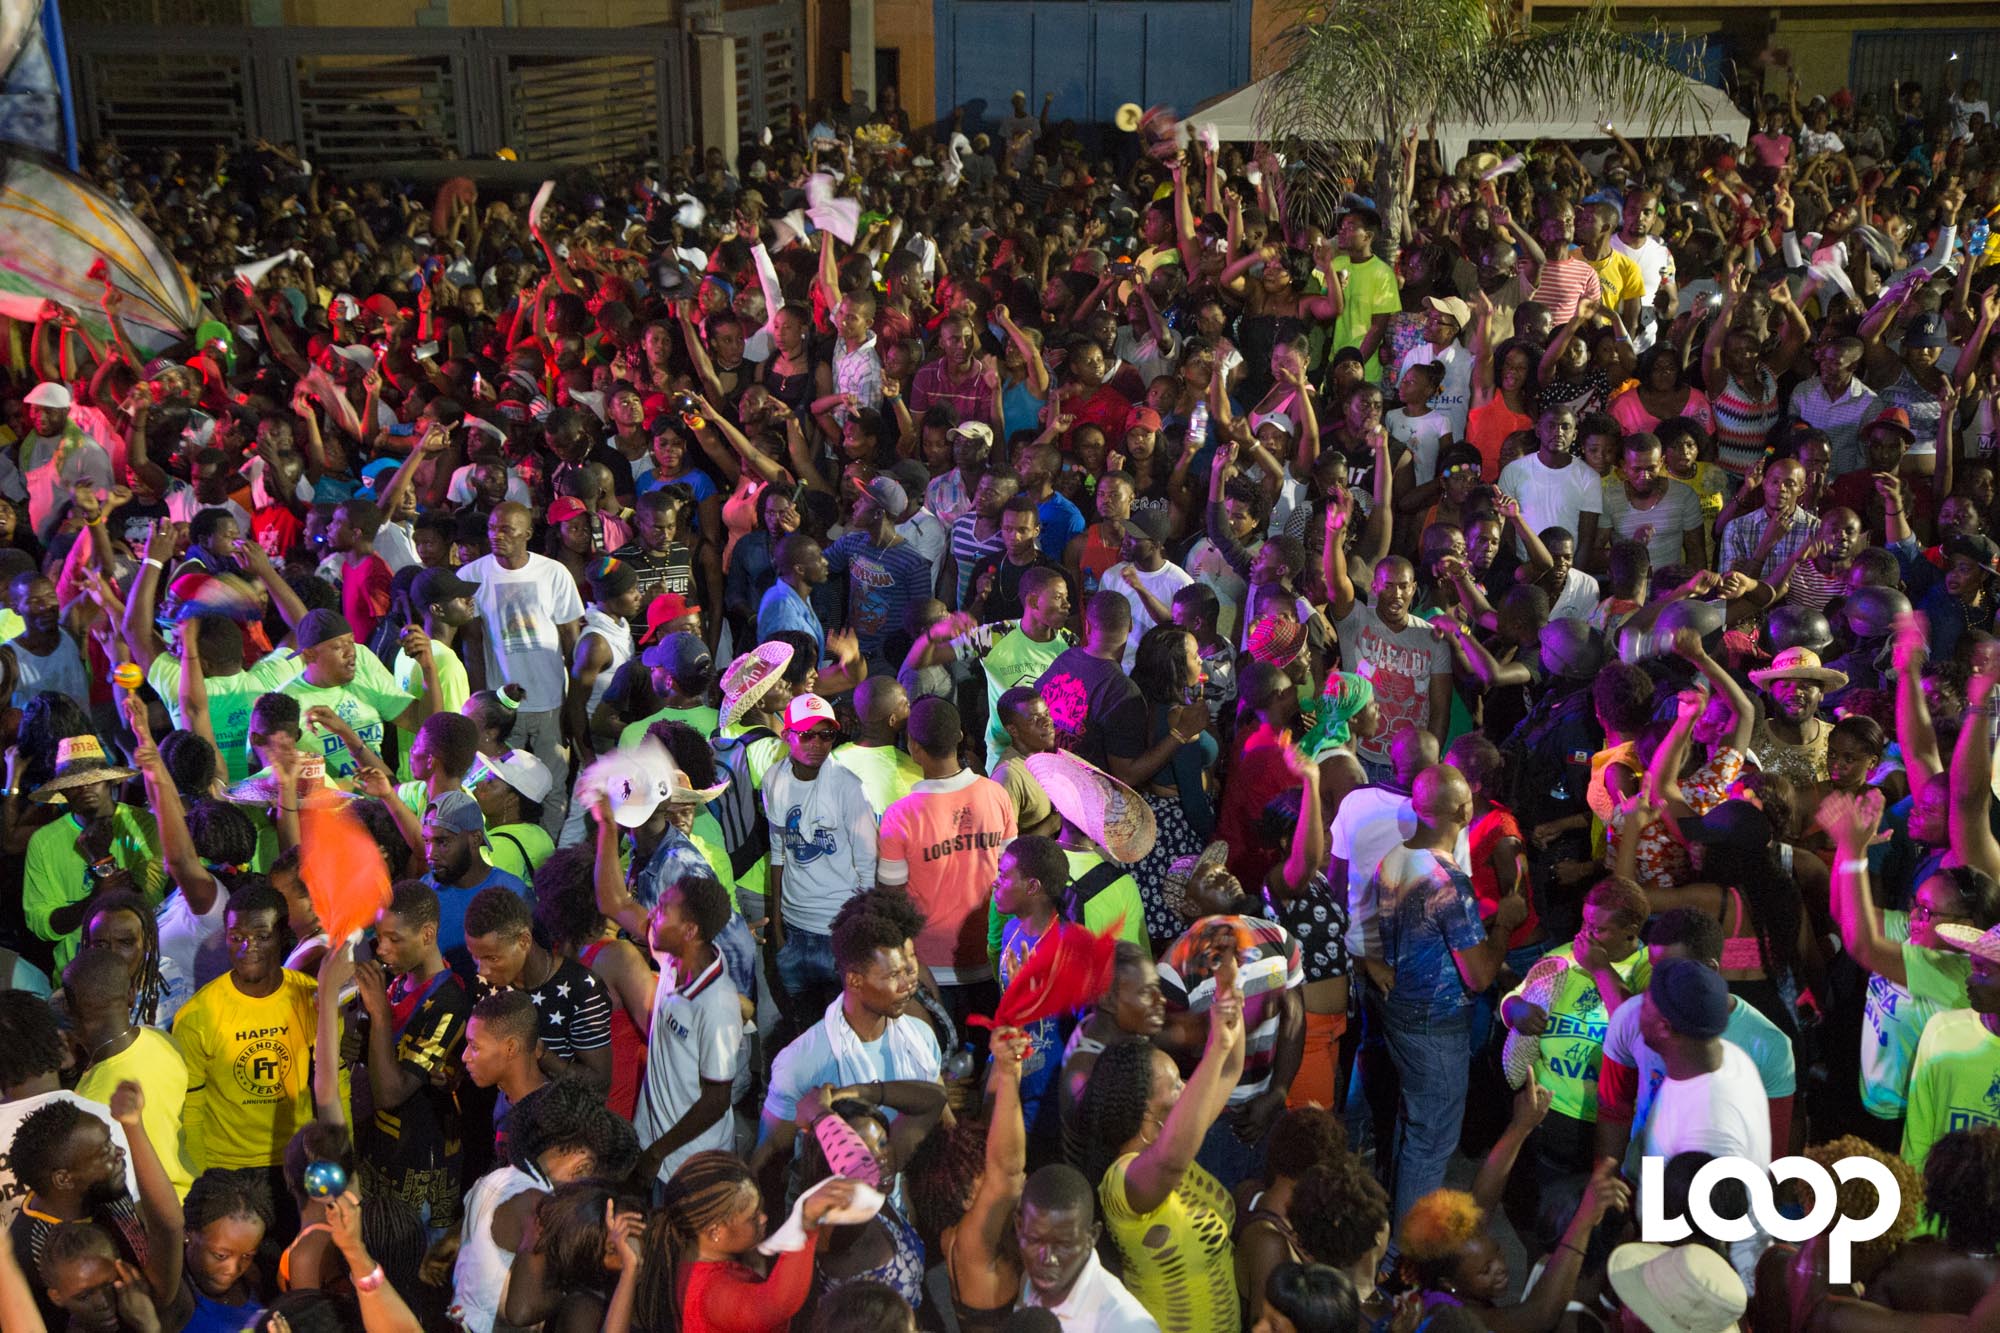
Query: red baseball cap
1143	416
382	307
565	508
662	612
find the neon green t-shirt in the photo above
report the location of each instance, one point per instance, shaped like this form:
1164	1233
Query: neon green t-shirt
703	720
1573	1042
1954	1082
1371	291
230	699
1895	1016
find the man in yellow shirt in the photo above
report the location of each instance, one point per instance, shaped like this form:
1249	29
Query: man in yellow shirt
1624	286
247	1040
1955	1077
98	987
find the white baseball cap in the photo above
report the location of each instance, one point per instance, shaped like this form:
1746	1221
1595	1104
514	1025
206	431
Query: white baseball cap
522	771
806	710
49	394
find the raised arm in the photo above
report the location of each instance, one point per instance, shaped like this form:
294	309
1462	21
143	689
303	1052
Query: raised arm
1972	767
614	898
1850	821
1914	731
1158	1170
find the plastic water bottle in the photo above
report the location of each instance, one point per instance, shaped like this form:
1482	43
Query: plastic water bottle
1975	239
1197	427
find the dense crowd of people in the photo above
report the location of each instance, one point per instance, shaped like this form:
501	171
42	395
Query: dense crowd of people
1109	754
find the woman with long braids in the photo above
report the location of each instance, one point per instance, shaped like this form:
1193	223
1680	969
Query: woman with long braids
700	1271
1167	670
1141	1127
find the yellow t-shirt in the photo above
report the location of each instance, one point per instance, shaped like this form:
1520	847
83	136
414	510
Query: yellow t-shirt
1179	1260
1573	1043
1620	278
154	1062
1954	1082
249	1070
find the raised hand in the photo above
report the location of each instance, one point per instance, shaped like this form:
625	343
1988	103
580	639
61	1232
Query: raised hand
1606	1192
1912	643
128	1105
621	1238
1850	819
1532	1102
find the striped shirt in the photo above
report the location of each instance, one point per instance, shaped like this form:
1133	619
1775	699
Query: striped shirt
1841	418
1743	421
1563	284
858	372
1269	963
968	549
970	399
1743	535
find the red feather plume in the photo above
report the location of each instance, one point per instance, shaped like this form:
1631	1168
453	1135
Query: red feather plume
342	868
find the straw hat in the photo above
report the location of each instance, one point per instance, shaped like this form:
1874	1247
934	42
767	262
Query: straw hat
1978	943
750	677
80	762
1127	117
1110	813
1678	1289
1538	988
263	788
1800	664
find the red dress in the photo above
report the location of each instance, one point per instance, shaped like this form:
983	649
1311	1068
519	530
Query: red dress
729	1298
628	1051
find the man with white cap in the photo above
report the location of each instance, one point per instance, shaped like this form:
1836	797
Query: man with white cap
823	846
1446	319
511	790
57	457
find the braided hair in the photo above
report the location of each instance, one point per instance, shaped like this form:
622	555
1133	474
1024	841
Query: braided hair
149	985
1113	1109
708	1189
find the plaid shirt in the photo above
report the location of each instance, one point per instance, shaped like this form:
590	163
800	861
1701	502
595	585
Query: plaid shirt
858	372
1743	535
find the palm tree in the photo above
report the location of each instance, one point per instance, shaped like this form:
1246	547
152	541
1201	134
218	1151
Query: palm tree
1360	79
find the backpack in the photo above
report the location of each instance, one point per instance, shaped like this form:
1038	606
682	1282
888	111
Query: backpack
746	833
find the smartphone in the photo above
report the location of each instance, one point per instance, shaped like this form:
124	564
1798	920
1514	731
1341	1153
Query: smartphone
798	493
403	428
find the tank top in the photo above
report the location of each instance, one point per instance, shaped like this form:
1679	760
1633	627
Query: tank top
60	670
617	636
479	1279
628	1051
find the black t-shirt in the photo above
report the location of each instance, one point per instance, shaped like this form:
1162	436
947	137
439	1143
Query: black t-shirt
415	1151
1003	601
29	1234
1098	711
670	571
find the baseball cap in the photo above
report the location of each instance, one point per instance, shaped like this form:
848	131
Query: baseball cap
565	508
911	475
885	492
610	577
683	656
808	710
1144	417
49	394
1454	307
321	626
1980	550
974	430
1926	330
1150	524
522	771
662	611
381	306
457	812
1691	996
440	585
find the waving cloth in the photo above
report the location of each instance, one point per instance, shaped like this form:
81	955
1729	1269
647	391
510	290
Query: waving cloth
1069	967
54	231
342	868
828	211
1347	696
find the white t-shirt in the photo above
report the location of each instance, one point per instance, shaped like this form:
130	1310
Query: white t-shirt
479	1278
394	544
1655	261
1724	1114
697	1034
1454	396
459	492
1672	516
1552	496
182	507
12	1191
1098	1303
928	537
1579	598
1163	583
1422	435
189	941
521	608
1371	823
823	835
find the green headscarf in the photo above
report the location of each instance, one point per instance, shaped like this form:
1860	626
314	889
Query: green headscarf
1345	697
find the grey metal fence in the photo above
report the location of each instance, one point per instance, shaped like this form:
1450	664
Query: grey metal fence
1881	60
375	97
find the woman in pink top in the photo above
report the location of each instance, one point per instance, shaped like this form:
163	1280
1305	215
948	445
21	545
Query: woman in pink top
1661	392
702	1272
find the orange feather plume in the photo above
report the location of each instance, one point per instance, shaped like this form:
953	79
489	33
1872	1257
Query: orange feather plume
342	868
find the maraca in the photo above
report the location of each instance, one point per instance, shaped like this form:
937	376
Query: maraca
128	676
325	1180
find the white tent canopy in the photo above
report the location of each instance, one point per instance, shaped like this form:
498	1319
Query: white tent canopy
1235	116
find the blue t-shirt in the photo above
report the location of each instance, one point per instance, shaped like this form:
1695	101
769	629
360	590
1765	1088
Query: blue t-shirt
696	481
1061	521
881	584
1428	912
782	608
451	912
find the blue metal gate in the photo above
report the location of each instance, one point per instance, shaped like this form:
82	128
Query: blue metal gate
1092	54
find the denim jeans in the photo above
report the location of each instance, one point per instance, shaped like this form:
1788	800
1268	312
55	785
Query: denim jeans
1224	1155
1429	1051
805	963
1487	1003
